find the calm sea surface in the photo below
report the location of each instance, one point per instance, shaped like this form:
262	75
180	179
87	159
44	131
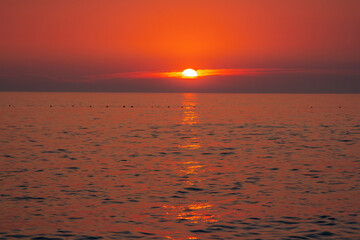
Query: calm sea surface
179	166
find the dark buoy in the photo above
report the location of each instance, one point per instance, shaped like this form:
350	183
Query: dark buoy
339	106
132	106
168	106
72	105
123	106
9	105
50	105
90	106
107	106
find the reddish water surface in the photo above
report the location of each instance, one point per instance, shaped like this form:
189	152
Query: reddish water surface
179	166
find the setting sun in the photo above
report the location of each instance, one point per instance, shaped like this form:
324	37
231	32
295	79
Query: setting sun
189	73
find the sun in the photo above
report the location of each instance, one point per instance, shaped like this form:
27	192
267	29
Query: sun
189	73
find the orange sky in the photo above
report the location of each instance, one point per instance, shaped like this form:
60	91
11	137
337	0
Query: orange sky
64	40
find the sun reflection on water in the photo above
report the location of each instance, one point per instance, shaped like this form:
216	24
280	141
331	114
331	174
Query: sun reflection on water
192	167
190	117
194	211
191	139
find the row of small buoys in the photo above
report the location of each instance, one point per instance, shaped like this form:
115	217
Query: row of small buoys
124	106
313	107
107	106
120	106
169	106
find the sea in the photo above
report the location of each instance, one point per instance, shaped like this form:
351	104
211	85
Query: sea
179	166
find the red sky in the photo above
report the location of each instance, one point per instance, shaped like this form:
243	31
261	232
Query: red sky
56	45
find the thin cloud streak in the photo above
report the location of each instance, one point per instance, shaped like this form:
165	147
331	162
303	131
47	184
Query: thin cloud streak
215	72
201	73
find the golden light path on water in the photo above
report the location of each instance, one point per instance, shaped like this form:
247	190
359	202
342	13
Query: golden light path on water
196	212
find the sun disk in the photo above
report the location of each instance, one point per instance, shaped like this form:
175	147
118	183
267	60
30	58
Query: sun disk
189	73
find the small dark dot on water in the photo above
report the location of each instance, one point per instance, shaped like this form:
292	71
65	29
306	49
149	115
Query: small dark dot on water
90	106
50	105
339	106
194	189
72	168
168	106
63	231
132	106
107	106
72	105
123	106
326	233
